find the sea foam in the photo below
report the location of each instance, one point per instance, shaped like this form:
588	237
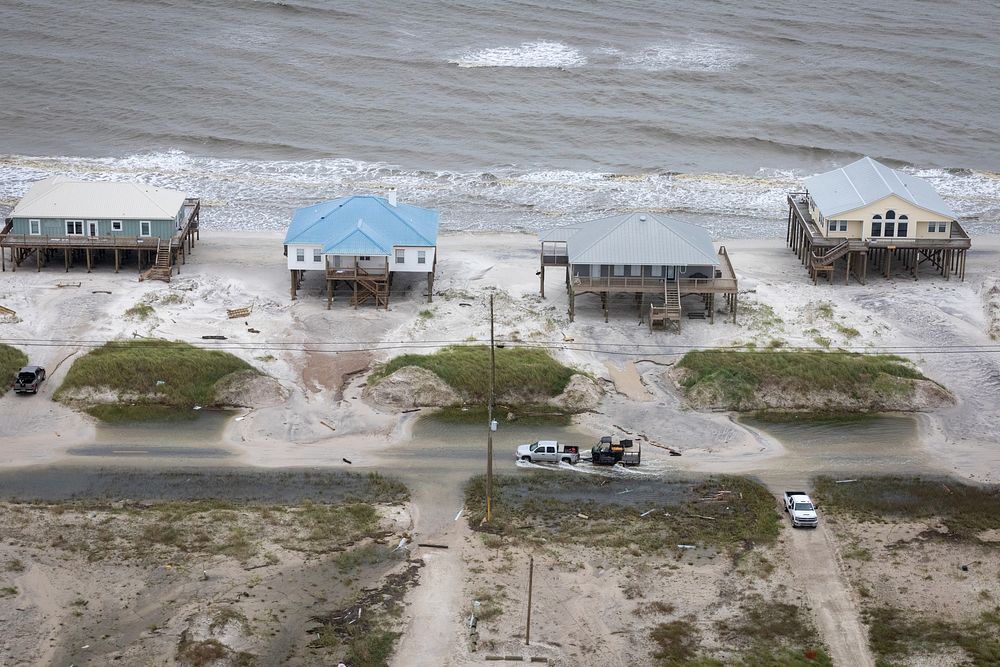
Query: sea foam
694	56
528	54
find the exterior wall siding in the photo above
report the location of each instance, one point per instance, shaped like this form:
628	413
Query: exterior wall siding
307	263
411	262
163	229
635	271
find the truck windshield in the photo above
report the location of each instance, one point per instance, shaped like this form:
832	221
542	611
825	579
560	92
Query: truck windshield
804	507
533	447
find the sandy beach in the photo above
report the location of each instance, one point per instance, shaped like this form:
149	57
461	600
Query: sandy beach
320	358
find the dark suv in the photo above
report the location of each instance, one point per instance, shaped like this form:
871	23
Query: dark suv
28	379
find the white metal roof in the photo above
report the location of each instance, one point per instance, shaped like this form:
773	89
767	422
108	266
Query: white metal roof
865	182
61	197
636	238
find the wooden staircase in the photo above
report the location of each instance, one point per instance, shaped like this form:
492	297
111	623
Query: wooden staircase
823	263
371	287
161	269
670	311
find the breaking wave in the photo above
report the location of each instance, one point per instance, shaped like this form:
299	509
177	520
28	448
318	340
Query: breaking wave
528	54
242	194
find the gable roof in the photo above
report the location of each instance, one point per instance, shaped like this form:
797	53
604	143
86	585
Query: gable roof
867	181
362	225
636	238
61	197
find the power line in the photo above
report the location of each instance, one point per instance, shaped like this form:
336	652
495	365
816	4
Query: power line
596	347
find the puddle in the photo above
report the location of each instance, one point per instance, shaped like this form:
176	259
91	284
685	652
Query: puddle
889	442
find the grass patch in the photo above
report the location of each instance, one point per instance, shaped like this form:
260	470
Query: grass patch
425	314
521	373
120	413
140	311
822	341
677	642
846	332
544	507
151	372
965	510
895	634
8	591
736	377
11	361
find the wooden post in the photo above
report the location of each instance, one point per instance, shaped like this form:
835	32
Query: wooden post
711	308
541	280
293	285
527	625
430	287
329	294
89	263
572	304
604	305
38	259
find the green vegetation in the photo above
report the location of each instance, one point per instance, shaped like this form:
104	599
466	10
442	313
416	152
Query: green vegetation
155	378
965	510
764	634
895	634
543	508
11	361
466	368
8	591
846	332
736	377
140	311
426	314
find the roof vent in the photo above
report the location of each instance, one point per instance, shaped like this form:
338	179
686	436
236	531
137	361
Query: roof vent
391	196
642	218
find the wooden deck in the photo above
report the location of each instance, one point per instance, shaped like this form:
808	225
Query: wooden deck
668	291
821	255
150	251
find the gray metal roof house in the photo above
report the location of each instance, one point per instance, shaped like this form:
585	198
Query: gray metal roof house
91	219
868	213
650	256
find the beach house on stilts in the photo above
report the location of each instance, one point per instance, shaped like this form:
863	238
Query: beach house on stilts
86	221
656	259
866	214
361	242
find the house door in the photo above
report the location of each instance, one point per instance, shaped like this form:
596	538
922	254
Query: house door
92	228
671	272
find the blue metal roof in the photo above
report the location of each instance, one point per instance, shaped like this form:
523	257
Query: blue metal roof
363	225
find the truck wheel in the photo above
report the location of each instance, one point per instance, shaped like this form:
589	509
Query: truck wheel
526	459
566	459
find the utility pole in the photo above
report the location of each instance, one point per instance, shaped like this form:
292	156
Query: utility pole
489	426
527	625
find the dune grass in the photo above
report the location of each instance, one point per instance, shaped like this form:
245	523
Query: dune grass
11	361
545	508
466	368
151	372
966	510
737	375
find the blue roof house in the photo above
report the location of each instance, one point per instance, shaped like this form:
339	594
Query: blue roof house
361	241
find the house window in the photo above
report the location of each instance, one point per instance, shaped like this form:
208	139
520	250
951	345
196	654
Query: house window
656	271
365	258
300	254
400	256
421	257
116	225
931	226
144	228
317	255
619	270
942	226
876	225
832	225
890	228
901	228
890	215
34	227
843	225
74	227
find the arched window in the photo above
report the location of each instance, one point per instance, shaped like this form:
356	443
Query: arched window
903	226
876	217
903	217
876	225
890	215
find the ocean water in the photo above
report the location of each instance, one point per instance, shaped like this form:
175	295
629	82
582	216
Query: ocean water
502	115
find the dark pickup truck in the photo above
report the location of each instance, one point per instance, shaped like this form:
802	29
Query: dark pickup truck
27	380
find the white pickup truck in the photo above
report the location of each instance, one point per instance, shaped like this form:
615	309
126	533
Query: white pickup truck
548	451
801	509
